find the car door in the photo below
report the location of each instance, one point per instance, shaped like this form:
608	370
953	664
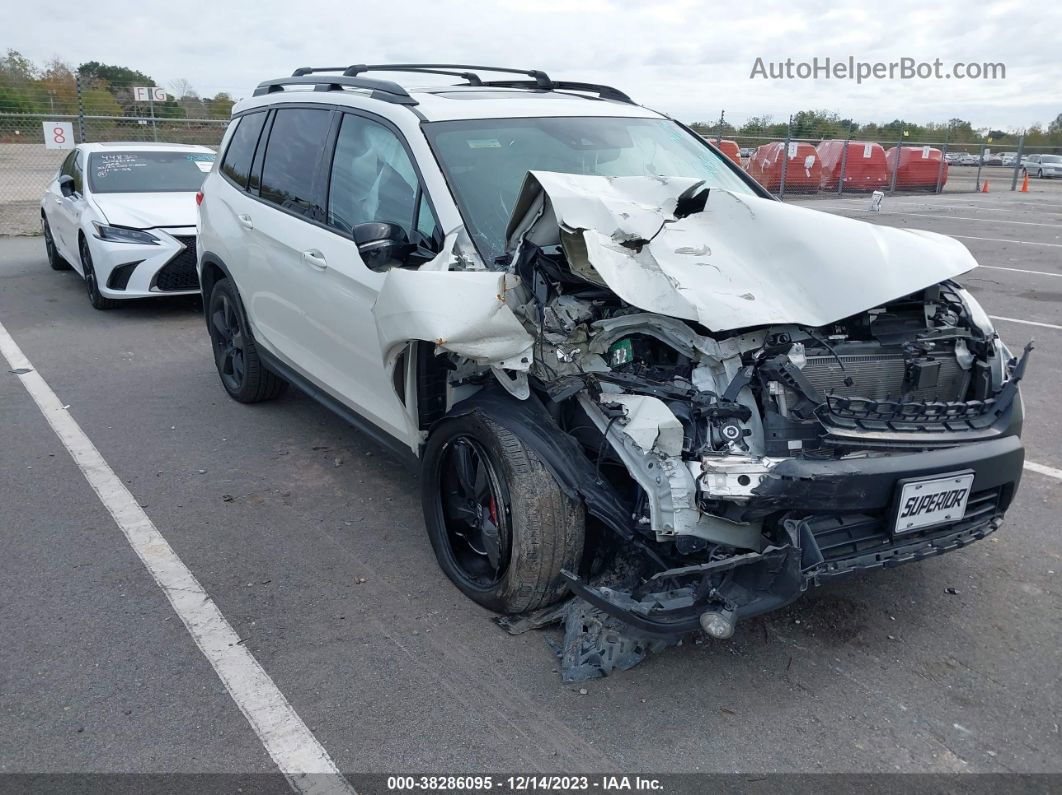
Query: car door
371	178
66	212
281	222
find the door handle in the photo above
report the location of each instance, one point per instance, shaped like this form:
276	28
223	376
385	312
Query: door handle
245	221
315	259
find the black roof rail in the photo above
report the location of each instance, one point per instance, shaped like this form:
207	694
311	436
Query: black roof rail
604	92
392	92
541	79
379	89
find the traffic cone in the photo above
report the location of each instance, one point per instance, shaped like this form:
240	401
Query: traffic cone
1025	184
984	186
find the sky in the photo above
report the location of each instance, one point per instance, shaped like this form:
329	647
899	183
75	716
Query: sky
689	59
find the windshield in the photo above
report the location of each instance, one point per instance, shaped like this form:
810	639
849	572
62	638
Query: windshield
148	172
485	160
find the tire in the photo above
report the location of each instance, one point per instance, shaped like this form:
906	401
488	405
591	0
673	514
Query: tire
508	492
95	297
55	260
242	373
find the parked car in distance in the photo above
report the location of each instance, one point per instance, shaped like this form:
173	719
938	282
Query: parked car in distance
993	159
123	216
624	370
1043	165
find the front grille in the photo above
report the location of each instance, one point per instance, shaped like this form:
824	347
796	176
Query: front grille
881	376
180	272
844	537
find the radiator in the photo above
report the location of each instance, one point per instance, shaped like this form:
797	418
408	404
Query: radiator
881	377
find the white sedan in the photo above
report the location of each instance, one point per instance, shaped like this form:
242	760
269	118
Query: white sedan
123	216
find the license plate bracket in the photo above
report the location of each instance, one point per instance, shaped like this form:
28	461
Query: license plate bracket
925	502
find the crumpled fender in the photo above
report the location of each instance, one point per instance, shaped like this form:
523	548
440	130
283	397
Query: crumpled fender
460	311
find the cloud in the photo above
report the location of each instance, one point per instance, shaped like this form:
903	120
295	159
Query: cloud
683	57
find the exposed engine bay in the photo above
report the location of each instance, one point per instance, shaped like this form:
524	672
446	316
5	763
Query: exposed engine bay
736	420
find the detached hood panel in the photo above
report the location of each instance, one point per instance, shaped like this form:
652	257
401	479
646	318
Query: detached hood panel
147	210
740	261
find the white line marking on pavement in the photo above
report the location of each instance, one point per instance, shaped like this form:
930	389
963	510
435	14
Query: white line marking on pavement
946	217
297	753
1021	270
1026	322
1051	472
1003	240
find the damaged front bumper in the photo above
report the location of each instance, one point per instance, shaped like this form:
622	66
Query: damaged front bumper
821	544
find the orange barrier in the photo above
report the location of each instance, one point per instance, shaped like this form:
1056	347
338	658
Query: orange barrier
1024	184
728	148
864	167
916	167
803	167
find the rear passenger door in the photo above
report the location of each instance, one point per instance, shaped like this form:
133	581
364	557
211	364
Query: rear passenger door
282	226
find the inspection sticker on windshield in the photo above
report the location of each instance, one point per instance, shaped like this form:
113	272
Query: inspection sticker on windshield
923	503
484	143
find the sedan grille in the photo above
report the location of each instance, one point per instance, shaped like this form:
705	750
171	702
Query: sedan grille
180	272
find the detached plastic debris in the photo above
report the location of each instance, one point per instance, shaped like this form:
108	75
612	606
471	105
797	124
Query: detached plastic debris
593	645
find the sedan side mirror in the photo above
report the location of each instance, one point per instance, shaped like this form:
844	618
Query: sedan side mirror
382	245
66	185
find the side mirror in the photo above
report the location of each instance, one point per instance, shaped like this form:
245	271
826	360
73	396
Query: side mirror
382	245
66	185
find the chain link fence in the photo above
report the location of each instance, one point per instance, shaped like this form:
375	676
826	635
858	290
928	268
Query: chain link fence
816	163
31	114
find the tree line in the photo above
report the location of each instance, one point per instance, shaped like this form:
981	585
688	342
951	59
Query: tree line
106	90
820	124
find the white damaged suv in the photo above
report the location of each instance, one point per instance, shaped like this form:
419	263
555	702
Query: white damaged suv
626	372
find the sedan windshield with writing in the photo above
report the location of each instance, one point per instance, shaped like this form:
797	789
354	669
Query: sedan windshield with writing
148	172
485	160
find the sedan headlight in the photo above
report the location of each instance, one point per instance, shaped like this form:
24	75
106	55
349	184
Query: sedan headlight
121	234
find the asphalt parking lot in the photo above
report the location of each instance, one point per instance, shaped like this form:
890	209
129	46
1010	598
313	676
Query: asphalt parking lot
309	540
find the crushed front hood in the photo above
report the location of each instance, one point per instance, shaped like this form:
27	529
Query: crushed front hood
740	261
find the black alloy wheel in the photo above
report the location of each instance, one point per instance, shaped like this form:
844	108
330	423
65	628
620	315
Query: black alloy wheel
226	333
55	260
95	296
475	512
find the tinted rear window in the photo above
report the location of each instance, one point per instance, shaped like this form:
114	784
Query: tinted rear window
237	163
296	139
148	172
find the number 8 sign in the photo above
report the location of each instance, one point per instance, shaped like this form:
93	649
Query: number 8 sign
58	135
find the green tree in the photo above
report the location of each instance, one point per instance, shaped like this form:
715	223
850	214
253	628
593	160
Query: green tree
219	106
116	78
